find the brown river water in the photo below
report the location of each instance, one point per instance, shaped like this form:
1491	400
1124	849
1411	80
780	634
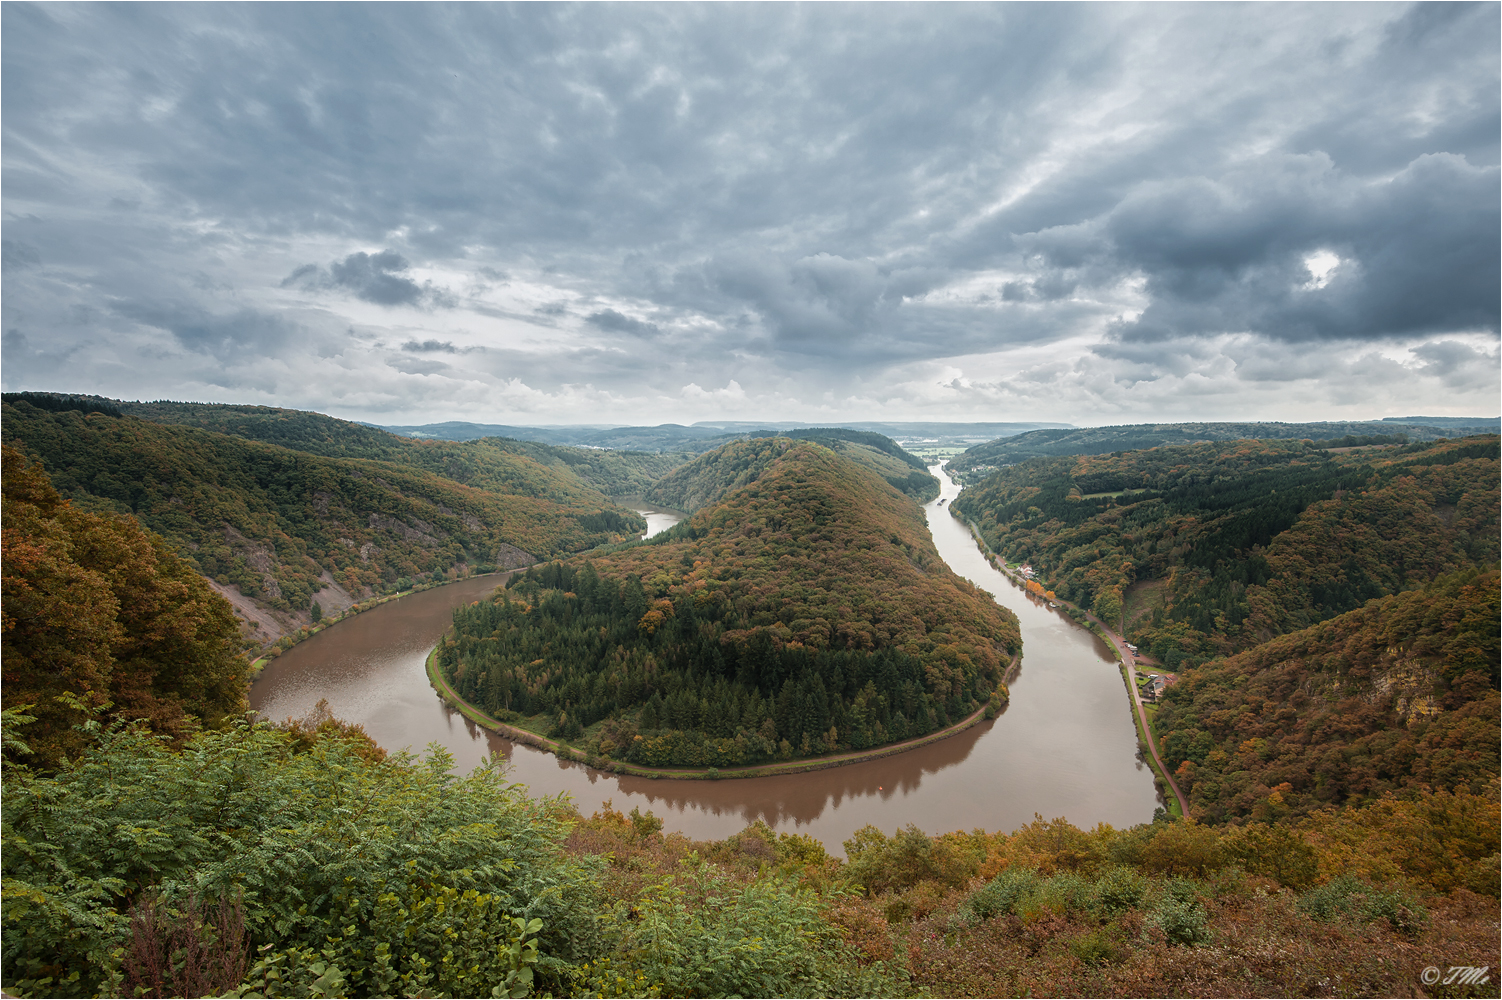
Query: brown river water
1065	746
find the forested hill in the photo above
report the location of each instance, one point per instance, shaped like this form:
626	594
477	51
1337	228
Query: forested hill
973	465
488	463
1225	545
1395	695
803	609
713	474
895	464
279	525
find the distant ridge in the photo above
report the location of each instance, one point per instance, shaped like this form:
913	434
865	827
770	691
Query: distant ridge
706	434
981	459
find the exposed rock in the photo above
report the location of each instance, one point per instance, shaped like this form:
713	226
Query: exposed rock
511	557
419	531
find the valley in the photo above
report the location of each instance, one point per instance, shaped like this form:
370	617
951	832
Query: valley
1327	607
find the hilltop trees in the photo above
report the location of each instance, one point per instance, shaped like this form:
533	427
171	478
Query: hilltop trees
803	611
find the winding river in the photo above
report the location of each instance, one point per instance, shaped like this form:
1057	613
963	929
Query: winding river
1065	746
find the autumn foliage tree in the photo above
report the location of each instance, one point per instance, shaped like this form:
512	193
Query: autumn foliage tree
100	615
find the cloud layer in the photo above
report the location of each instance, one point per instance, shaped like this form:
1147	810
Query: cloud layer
645	213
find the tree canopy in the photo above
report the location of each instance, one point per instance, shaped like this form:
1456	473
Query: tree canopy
100	615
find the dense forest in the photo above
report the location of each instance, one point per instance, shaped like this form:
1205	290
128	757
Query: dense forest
1401	693
973	465
1214	548
1333	614
279	525
800	611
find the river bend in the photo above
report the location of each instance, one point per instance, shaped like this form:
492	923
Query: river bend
1065	746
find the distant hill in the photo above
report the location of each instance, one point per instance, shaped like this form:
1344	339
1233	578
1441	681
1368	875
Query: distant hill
662	438
712	475
468	460
1471	425
980	460
707	434
900	429
276	526
802	609
904	471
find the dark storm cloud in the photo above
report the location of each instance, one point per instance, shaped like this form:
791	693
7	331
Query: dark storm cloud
1418	252
800	197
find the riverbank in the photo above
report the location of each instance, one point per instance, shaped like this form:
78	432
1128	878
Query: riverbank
309	631
1178	805
566	752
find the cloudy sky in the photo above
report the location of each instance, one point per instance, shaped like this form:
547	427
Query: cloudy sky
639	214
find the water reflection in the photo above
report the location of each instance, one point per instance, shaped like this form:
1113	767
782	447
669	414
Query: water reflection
1065	747
659	519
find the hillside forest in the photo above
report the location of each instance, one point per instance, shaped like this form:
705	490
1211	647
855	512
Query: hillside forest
284	530
801	611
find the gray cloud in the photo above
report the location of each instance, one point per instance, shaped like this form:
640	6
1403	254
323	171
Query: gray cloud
373	277
226	336
430	346
16	256
837	208
609	319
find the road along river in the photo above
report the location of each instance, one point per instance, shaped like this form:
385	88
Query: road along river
1065	746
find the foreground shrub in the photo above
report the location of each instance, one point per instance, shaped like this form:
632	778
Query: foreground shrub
1350	897
318	850
704	933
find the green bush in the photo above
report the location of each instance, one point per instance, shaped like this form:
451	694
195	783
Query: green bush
316	847
1179	914
1000	896
1119	890
705	933
1350	897
1098	947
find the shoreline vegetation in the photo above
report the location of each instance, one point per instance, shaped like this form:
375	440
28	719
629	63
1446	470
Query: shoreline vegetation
1175	799
566	751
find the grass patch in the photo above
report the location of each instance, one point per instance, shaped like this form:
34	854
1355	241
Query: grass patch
1140	600
1111	493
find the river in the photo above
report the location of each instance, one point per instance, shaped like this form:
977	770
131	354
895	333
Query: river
1065	746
